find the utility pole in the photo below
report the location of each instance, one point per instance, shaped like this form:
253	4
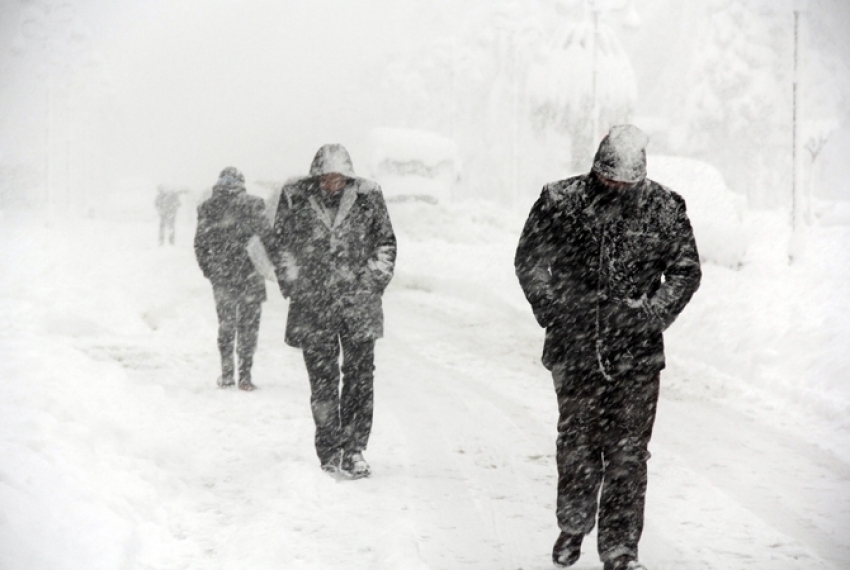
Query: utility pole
794	125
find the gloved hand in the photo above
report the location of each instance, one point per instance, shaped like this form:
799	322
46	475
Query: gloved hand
637	314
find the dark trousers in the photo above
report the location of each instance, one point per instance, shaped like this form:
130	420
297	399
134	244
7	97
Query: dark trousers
343	417
604	429
238	327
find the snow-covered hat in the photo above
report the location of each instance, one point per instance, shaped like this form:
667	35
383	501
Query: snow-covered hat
622	154
332	158
231	180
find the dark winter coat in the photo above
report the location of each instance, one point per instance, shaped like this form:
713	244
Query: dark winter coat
606	275
226	221
334	255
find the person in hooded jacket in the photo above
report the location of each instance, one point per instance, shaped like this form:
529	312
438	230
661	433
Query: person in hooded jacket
226	222
607	261
334	252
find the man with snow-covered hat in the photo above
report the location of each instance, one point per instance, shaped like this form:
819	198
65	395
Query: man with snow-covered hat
607	261
334	251
226	222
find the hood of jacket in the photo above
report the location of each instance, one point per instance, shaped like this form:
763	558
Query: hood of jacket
230	182
622	154
332	158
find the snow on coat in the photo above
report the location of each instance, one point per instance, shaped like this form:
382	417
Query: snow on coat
226	222
334	258
606	274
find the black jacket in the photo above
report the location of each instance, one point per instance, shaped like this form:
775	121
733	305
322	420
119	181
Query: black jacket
333	269
606	276
226	221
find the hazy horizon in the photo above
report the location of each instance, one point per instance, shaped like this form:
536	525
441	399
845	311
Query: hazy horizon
173	92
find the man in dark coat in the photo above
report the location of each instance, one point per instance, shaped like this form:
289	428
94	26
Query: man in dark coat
167	203
226	222
607	261
334	251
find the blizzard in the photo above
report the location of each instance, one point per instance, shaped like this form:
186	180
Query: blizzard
118	451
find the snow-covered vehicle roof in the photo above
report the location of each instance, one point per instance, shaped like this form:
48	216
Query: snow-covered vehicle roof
412	164
410	145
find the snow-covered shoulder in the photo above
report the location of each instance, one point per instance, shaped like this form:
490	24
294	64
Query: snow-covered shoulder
560	189
366	186
714	210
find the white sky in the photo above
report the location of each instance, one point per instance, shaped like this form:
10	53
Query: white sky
261	86
200	85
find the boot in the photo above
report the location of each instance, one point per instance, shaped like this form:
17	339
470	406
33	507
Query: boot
355	466
331	464
245	363
567	549
227	373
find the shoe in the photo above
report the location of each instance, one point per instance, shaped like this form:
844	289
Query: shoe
623	563
247	386
223	382
332	465
355	466
567	549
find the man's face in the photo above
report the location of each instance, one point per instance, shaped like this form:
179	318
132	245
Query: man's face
332	182
615	185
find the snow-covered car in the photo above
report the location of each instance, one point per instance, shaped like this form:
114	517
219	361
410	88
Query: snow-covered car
413	165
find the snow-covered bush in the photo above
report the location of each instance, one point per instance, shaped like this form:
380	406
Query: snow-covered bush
714	210
830	212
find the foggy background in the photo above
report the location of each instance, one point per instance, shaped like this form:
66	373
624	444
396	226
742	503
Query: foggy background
103	100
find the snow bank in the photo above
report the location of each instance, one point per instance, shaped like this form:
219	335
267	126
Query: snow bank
772	335
830	212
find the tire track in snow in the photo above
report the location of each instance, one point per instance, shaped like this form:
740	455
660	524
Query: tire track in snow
476	496
799	491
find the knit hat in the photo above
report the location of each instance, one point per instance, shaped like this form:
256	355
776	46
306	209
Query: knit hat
622	154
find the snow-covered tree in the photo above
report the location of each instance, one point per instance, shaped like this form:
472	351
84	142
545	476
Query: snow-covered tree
469	84
585	72
737	101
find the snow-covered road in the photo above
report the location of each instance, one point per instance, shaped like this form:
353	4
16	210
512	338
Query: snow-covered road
118	451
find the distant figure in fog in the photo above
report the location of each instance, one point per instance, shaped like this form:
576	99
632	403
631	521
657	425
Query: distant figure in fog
167	203
607	261
334	250
226	223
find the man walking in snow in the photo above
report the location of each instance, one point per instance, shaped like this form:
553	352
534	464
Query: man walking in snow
334	252
607	261
167	203
226	222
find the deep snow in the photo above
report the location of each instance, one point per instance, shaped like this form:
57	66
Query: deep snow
118	451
